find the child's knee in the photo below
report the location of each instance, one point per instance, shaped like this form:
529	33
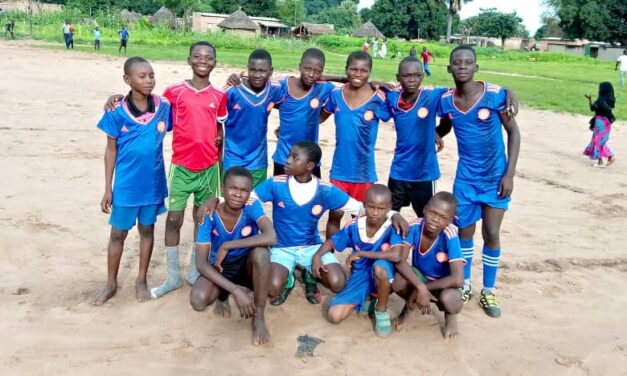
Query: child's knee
335	316
381	274
146	231
118	236
335	278
198	300
174	220
451	301
260	256
491	234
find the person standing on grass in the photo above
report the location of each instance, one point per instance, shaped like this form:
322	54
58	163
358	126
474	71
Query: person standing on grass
71	35
622	62
412	51
366	46
123	32
67	36
375	48
384	48
96	39
426	59
597	149
8	29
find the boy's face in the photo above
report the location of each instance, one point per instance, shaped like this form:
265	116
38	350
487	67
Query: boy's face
236	191
141	78
202	60
377	208
298	163
438	214
463	65
310	70
410	76
259	72
358	73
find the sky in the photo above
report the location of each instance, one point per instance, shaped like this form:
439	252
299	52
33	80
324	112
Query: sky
529	10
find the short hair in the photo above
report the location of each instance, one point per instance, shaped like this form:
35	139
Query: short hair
463	47
202	43
407	60
261	54
313	151
237	171
359	55
128	64
313	53
379	190
446	197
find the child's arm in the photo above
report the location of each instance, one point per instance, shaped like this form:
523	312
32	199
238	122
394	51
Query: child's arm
454	280
316	264
423	296
340	79
393	255
513	147
324	115
219	141
111	153
444	127
113	102
243	300
266	238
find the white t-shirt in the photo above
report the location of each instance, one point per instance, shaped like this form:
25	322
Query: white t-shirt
623	62
66	29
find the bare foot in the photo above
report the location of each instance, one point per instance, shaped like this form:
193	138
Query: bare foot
141	291
261	335
222	309
450	326
105	294
610	160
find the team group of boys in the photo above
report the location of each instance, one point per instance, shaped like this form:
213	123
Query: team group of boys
239	251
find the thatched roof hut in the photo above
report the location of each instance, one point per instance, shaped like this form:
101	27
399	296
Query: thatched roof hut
163	15
127	15
368	30
306	30
239	22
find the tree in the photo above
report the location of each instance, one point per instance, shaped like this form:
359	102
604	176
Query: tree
602	20
454	6
491	23
364	13
409	18
291	11
255	8
550	28
345	17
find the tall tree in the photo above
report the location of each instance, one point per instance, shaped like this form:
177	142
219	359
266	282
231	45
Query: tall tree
291	11
316	6
345	17
454	6
491	23
602	20
255	8
409	18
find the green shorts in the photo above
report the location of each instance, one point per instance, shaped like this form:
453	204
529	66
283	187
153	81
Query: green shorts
259	176
202	184
435	293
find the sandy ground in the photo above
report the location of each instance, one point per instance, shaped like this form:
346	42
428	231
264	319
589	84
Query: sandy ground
562	285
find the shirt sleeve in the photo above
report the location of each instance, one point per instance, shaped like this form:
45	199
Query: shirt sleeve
329	105
395	239
108	125
265	191
498	100
204	231
383	111
222	111
256	210
441	108
452	245
335	198
342	240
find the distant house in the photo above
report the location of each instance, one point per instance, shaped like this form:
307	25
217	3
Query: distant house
306	30
582	47
129	16
204	22
368	30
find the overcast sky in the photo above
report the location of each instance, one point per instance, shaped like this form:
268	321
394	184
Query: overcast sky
529	10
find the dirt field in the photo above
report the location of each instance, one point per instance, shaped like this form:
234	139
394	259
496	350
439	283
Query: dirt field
562	283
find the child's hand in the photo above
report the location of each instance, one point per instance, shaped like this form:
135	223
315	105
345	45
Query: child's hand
218	141
220	256
234	79
506	187
353	257
105	203
317	267
400	225
113	102
439	143
245	302
208	207
588	96
421	298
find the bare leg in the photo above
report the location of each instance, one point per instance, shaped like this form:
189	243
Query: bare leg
146	242
333	225
203	294
278	278
173	225
451	303
259	266
340	312
114	254
334	278
491	228
383	288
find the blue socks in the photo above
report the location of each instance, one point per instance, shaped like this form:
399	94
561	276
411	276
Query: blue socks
174	274
490	260
468	251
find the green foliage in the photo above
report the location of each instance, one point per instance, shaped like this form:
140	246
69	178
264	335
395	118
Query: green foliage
345	17
602	20
255	8
317	6
491	23
292	12
550	28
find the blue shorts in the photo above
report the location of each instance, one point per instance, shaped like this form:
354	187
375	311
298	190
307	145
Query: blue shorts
125	217
471	198
289	257
361	284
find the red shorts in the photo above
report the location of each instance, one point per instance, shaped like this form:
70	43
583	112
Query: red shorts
355	190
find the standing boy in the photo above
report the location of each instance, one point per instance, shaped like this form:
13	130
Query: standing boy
135	132
622	63
123	32
375	247
485	175
437	265
249	106
96	39
426	60
67	37
232	255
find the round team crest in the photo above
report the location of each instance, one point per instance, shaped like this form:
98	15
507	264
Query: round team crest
423	112
484	114
270	106
368	115
316	210
441	257
161	126
314	103
385	247
246	231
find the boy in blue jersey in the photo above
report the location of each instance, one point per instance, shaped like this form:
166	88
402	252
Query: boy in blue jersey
232	255
437	264
135	132
249	105
485	175
357	108
375	247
